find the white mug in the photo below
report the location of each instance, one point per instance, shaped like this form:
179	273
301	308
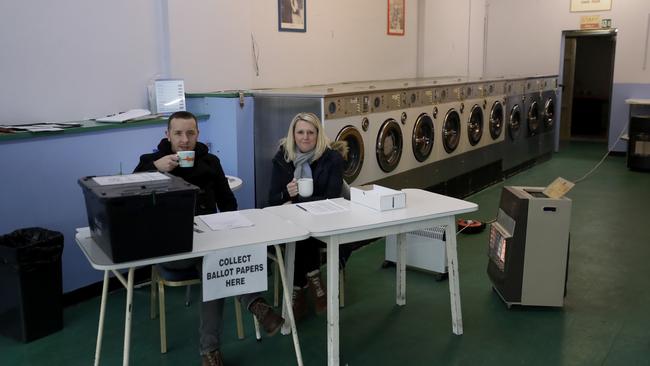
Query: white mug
185	159
305	187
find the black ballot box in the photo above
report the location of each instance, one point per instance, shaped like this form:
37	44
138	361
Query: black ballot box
141	215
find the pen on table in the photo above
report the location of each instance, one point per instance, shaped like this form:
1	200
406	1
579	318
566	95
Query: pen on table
302	208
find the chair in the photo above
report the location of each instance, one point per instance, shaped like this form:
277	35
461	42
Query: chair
161	277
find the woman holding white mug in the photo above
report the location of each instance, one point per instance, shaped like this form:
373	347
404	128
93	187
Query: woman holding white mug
307	167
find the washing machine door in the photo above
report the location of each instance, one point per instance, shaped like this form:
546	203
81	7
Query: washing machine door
475	125
354	162
451	131
514	122
496	120
549	113
389	145
533	118
422	141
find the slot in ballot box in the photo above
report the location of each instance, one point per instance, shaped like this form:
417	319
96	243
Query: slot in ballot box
141	215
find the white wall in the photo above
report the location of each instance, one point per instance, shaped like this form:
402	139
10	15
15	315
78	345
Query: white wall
453	38
71	59
74	59
524	36
345	41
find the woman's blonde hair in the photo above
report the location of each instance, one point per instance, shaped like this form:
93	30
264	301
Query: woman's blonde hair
289	142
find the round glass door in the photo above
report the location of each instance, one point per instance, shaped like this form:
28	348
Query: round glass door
423	133
389	145
496	120
354	161
514	122
451	131
533	118
549	113
475	125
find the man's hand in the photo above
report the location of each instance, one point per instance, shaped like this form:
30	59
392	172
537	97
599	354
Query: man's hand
168	162
292	188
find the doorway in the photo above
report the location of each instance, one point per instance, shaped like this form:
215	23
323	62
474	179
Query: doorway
587	78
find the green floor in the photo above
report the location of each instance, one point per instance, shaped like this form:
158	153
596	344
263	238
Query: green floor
605	320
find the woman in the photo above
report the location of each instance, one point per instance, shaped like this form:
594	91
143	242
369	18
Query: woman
307	153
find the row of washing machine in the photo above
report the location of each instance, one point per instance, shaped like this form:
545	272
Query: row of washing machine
451	135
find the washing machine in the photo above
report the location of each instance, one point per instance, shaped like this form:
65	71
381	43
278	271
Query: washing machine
548	115
533	116
514	148
372	124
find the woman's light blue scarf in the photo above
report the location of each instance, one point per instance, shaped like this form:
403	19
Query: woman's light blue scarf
303	170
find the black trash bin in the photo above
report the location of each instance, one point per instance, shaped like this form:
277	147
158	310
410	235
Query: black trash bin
30	283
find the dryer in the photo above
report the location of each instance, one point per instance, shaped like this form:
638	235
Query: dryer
372	124
515	148
548	115
534	127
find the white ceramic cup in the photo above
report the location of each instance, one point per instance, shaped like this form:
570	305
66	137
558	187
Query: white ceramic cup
305	187
185	159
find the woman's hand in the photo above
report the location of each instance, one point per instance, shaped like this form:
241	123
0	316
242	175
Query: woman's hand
292	188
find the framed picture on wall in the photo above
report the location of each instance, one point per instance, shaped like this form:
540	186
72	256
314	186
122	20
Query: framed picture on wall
395	21
292	16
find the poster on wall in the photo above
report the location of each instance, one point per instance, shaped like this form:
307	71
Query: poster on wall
292	16
395	21
590	5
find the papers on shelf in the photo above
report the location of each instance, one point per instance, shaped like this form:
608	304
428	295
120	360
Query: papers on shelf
130	178
225	220
42	127
323	207
124	116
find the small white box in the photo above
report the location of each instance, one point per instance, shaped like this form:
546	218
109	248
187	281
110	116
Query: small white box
378	197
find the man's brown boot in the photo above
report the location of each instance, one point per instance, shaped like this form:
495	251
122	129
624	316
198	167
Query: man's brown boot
212	359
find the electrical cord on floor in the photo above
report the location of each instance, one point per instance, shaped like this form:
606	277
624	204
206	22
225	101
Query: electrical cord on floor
601	160
585	176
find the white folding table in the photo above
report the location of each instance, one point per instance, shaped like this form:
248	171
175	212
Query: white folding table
423	210
268	229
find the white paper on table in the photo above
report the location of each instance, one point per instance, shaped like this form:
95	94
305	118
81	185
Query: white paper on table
226	220
323	207
130	178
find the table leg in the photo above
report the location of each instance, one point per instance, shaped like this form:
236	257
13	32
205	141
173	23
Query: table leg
102	312
333	301
287	303
290	250
454	283
127	322
400	270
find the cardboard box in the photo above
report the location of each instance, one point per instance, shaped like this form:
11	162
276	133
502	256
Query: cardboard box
141	215
378	197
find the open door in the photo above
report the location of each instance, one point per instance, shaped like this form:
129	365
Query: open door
587	78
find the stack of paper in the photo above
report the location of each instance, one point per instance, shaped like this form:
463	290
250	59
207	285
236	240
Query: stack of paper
124	116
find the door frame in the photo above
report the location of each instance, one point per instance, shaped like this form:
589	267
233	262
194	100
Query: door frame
612	32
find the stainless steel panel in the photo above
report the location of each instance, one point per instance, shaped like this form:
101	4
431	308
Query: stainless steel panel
271	121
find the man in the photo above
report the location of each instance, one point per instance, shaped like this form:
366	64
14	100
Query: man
182	135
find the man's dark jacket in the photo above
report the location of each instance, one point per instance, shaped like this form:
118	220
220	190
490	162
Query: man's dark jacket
206	174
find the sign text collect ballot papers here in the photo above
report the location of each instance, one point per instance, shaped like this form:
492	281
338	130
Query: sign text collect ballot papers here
235	271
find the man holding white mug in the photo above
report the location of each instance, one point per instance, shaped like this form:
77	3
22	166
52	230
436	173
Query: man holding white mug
180	154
